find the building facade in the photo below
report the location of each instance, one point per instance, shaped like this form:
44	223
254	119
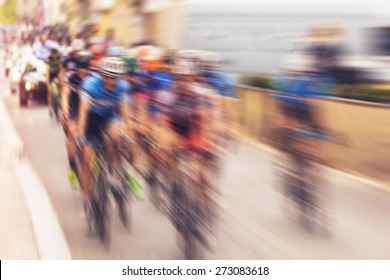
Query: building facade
127	22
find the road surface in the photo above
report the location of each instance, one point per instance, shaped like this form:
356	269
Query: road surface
253	225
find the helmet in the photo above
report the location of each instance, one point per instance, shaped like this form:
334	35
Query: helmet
78	44
54	53
112	67
210	61
186	62
131	63
150	57
83	59
115	51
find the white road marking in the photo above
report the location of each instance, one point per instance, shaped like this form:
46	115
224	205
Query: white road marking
48	233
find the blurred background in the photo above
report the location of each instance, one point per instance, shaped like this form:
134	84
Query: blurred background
253	36
259	40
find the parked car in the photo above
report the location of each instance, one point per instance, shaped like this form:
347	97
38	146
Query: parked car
19	66
33	83
16	74
8	65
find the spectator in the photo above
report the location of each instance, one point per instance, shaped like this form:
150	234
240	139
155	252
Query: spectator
44	46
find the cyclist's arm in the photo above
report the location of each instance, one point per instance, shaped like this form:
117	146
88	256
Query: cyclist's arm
83	113
61	74
65	92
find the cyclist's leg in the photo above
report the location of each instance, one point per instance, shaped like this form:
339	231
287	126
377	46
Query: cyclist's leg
74	104
310	117
50	96
71	127
113	129
93	130
65	100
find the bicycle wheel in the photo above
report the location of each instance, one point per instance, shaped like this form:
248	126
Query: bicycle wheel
123	210
55	101
155	186
101	210
190	249
195	237
89	219
305	194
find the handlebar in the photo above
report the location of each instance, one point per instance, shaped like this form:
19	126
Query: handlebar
81	139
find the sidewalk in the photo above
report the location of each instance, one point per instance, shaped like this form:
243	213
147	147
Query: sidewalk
17	240
29	228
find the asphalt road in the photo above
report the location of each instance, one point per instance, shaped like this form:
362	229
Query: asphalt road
253	224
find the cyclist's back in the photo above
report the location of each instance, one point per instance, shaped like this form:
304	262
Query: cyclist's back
102	97
104	101
54	64
76	72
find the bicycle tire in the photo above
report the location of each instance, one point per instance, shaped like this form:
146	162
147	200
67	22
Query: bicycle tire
101	214
100	200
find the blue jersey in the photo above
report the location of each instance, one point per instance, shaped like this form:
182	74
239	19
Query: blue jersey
295	90
93	86
222	84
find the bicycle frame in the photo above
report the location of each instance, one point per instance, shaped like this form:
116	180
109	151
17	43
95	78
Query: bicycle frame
192	204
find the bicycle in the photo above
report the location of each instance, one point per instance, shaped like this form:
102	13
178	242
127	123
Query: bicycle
299	175
55	99
156	166
72	111
108	177
193	203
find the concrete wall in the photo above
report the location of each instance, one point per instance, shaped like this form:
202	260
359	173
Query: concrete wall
365	126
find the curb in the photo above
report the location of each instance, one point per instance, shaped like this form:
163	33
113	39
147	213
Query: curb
51	242
50	238
14	147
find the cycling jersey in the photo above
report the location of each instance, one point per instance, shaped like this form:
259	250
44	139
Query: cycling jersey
296	90
108	108
222	84
93	86
70	63
55	67
182	111
72	78
295	93
74	81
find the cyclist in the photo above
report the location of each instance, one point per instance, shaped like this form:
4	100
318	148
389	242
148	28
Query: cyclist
300	137
102	101
70	105
202	106
74	78
188	116
53	73
54	66
296	88
70	61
